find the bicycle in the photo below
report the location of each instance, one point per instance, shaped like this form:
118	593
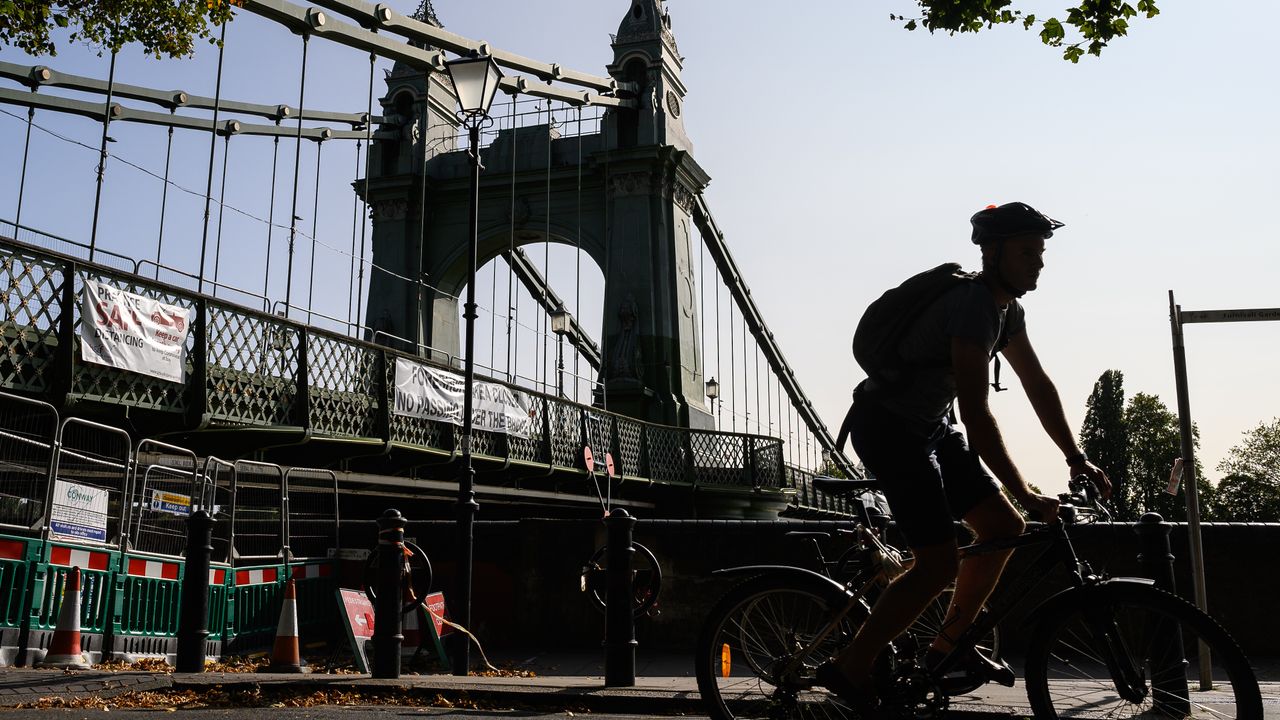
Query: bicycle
870	563
1101	647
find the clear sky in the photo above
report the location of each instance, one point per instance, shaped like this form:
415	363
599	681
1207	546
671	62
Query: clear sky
846	153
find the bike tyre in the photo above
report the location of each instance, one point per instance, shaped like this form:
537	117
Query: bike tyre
1055	639
747	695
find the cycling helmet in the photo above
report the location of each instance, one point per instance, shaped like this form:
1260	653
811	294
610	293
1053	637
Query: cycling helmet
1010	220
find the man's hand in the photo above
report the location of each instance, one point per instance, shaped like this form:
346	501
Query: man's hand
1095	475
1040	507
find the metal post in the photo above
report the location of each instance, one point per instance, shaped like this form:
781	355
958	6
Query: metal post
1189	480
387	636
102	157
620	630
1171	696
193	621
467	505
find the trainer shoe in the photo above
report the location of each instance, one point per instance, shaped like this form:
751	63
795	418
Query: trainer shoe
862	701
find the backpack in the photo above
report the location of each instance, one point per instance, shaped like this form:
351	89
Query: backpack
886	321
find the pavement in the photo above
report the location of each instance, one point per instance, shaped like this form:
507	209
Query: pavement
664	685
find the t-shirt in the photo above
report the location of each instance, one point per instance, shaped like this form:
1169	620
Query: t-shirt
967	311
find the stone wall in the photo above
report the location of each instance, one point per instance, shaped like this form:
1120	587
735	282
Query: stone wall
527	576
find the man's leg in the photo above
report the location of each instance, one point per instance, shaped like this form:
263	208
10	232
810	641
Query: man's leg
990	519
898	606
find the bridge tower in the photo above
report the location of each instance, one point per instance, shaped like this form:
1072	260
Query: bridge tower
638	179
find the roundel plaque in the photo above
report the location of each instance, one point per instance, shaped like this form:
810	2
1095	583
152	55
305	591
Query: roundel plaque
673	103
608	464
588	459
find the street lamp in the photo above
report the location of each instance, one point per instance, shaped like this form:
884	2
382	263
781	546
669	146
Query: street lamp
560	326
713	392
475	81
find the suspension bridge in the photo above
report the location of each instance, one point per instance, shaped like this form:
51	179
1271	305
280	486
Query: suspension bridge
304	345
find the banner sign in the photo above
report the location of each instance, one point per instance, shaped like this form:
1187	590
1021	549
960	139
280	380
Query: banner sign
79	512
434	394
172	503
133	332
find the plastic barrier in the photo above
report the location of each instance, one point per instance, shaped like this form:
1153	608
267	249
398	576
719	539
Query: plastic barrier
163	490
28	435
312	502
83	528
258	543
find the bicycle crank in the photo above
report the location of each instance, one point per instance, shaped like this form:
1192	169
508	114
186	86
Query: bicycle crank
916	695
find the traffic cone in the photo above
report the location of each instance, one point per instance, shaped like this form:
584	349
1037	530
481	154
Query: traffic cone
286	657
64	651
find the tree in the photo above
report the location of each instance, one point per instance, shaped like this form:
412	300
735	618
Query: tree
1105	439
1097	22
1154	443
1251	489
162	27
1241	498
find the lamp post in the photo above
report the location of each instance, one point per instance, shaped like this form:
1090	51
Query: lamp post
713	392
560	326
475	81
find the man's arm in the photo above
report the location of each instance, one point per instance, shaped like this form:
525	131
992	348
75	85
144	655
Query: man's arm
1048	406
969	361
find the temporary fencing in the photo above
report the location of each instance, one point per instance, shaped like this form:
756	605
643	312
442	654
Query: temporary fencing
217	489
76	494
28	435
84	527
259	548
312	529
164	485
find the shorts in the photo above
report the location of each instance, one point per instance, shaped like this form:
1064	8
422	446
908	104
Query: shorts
931	479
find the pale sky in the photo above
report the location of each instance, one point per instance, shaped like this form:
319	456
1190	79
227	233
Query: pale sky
845	154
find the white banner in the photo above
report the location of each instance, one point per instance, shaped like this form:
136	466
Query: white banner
434	394
79	512
132	332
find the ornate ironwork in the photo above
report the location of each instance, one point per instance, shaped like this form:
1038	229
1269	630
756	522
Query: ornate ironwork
254	369
31	310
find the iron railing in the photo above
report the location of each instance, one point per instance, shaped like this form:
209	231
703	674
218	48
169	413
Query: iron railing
246	367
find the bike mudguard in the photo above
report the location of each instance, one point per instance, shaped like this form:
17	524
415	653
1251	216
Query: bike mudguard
1077	597
800	574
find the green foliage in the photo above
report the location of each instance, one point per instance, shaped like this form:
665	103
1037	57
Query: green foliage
1251	489
1105	438
1096	22
1154	443
163	27
1240	498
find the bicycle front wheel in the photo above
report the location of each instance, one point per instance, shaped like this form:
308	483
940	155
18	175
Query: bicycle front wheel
759	648
1133	650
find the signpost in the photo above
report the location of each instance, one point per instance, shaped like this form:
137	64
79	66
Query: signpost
1177	318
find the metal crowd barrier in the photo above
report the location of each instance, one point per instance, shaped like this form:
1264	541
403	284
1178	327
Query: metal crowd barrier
77	494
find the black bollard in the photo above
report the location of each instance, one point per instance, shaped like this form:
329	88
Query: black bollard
619	618
1154	555
387	636
193	618
1172	696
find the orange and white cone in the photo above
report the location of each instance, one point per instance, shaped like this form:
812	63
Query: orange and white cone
286	657
64	651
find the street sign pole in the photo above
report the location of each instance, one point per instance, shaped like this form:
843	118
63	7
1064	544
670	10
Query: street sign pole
1177	318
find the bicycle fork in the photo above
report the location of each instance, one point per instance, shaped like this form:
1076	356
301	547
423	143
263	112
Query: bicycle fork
1125	669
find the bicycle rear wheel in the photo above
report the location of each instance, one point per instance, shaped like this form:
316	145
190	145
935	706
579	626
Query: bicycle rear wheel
750	655
1133	650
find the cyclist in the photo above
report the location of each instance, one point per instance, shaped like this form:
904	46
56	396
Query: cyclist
931	476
